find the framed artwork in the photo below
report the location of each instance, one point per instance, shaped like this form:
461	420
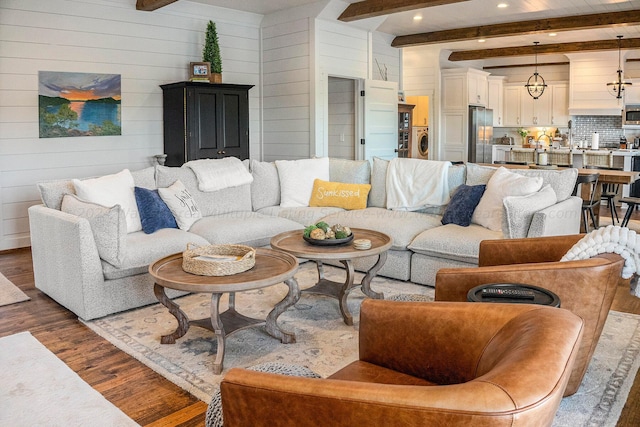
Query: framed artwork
200	71
79	104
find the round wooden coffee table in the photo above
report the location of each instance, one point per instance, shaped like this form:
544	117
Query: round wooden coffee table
293	243
271	268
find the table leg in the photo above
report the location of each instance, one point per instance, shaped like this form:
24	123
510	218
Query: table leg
366	280
218	330
181	317
344	291
290	299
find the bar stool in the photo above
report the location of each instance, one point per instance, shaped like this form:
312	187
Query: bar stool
632	202
590	199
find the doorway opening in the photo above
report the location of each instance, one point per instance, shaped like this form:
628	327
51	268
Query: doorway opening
342	118
420	127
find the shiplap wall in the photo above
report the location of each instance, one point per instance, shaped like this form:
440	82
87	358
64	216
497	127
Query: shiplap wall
103	36
286	52
342	118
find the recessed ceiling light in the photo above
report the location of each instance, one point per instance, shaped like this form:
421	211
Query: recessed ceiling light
553	34
417	18
481	40
502	5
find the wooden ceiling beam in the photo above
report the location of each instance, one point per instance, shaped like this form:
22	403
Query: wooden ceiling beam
567	23
469	55
372	8
151	5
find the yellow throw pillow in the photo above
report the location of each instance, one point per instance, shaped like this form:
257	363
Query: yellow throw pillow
339	194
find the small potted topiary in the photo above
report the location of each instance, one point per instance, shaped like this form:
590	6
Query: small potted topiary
211	53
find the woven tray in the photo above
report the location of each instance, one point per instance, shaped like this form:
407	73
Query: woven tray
213	260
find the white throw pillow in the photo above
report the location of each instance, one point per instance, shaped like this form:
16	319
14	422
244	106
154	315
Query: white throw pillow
181	204
519	211
502	183
297	177
111	190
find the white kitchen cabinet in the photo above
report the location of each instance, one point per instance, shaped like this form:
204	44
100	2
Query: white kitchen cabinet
632	93
495	99
560	104
462	87
511	106
520	109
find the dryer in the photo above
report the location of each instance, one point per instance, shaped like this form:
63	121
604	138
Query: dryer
420	149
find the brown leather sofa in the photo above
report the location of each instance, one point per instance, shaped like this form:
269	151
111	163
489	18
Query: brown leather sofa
585	287
425	364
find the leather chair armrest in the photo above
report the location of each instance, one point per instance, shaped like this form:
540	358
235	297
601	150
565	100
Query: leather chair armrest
527	250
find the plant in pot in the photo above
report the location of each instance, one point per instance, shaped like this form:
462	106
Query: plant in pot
211	53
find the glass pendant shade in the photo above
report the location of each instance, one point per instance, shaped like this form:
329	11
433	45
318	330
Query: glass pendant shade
536	85
617	87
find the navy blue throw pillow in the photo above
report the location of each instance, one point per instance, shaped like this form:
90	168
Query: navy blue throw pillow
154	212
462	204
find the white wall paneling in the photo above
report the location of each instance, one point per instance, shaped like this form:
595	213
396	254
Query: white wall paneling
103	36
342	118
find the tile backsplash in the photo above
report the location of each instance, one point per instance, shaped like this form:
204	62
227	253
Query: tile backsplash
609	128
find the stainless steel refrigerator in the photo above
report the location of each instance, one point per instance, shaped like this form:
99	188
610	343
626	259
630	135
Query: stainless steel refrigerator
480	134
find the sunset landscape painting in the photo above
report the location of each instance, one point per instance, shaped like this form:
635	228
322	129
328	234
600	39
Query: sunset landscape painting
79	104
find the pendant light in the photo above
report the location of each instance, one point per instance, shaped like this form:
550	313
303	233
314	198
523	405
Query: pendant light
535	85
617	88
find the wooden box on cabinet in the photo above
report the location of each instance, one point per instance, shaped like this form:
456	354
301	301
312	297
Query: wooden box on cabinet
204	120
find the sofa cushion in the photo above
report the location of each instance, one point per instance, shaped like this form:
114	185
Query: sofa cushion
52	192
296	179
503	183
154	212
519	211
145	178
245	228
378	194
110	190
142	249
265	188
477	174
562	181
209	203
462	204
181	203
108	225
339	194
453	242
351	171
402	226
304	215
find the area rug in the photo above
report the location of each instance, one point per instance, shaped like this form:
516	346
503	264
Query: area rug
10	293
325	344
38	389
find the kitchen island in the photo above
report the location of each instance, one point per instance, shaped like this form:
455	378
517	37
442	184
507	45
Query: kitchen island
622	158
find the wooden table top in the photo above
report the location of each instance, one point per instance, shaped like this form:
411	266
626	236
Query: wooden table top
293	243
271	267
606	175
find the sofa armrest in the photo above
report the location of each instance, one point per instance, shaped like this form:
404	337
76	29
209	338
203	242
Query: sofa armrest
561	218
524	251
65	256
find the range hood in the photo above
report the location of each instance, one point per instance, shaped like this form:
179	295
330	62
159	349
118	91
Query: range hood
589	74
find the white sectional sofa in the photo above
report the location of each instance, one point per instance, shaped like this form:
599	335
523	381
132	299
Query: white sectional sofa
68	249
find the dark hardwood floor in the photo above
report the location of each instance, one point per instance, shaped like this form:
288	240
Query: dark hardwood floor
142	394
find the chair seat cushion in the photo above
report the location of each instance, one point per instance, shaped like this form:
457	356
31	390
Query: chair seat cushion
370	373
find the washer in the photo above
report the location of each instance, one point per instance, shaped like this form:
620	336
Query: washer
421	142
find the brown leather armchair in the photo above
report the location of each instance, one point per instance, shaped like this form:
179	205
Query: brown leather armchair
425	363
585	287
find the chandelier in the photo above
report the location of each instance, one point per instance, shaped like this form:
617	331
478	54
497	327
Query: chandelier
535	85
617	88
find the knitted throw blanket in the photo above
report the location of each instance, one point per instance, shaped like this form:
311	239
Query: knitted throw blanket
610	239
